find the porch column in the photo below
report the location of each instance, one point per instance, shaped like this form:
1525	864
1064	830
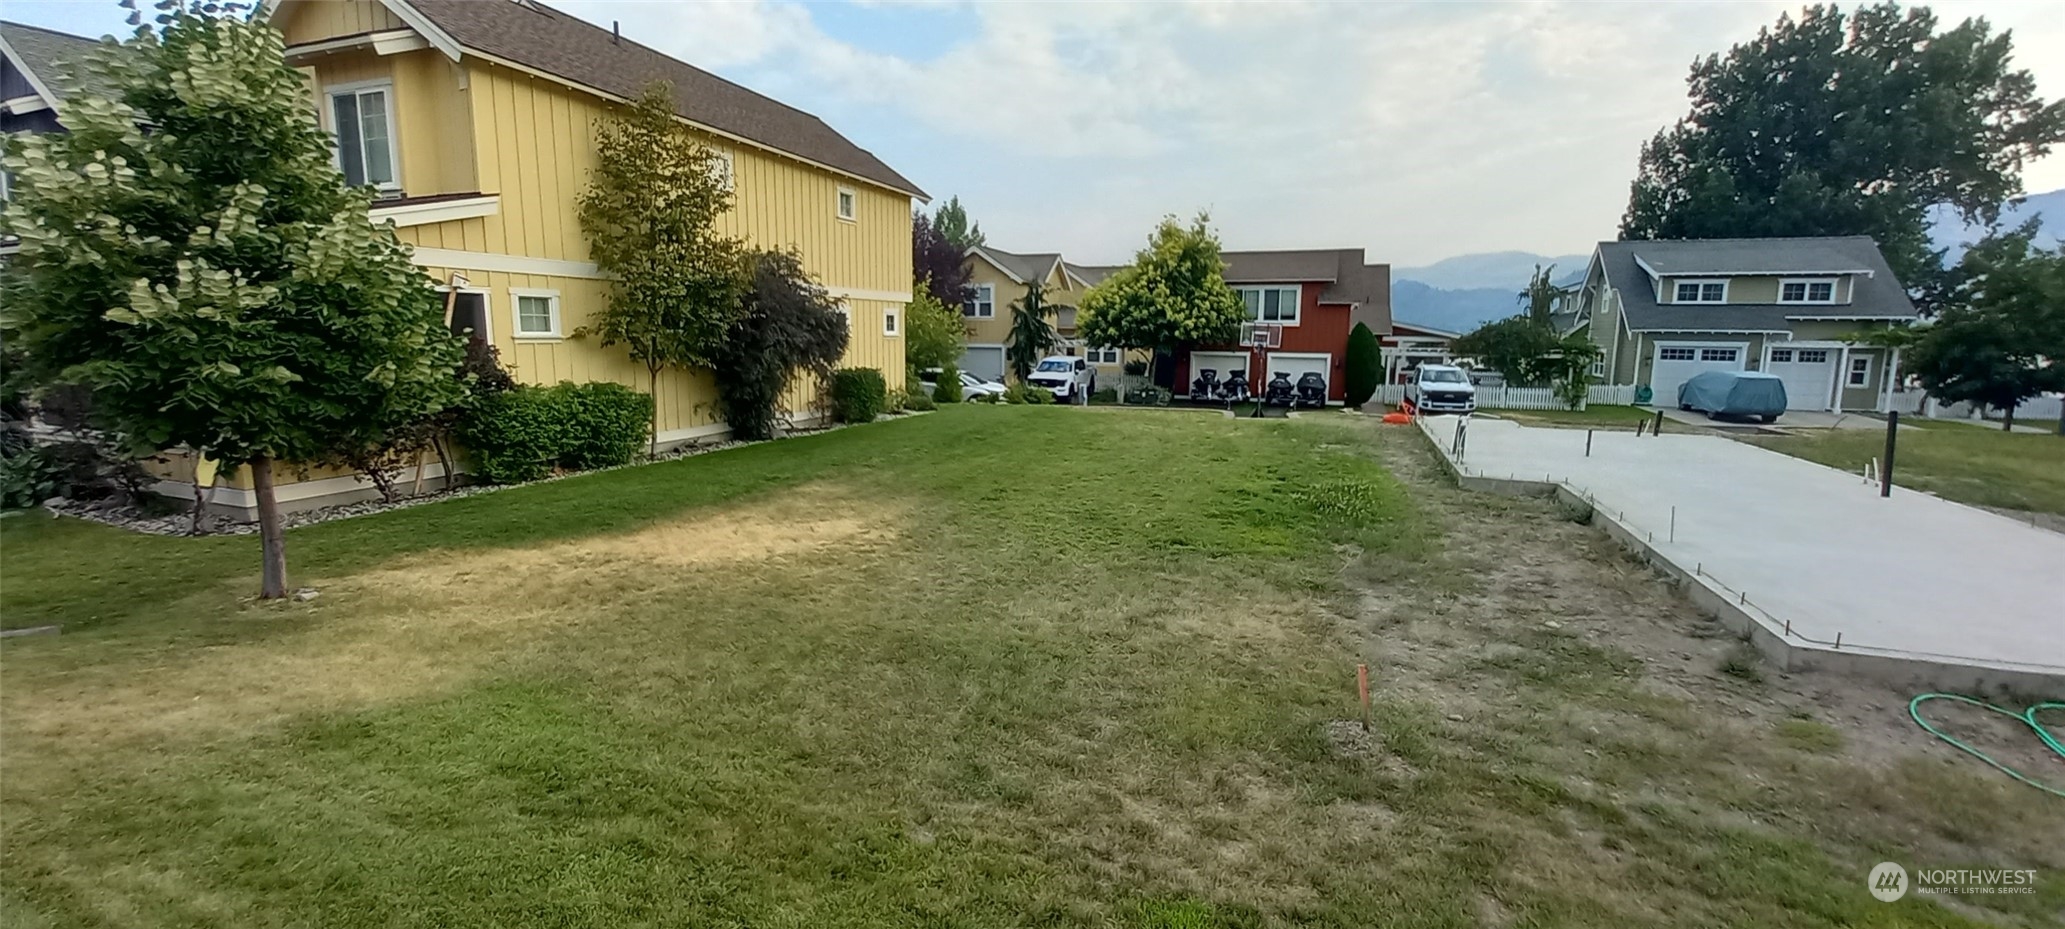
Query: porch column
1835	400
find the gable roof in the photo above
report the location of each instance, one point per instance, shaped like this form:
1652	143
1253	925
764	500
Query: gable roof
1348	278
1023	268
1876	293
532	35
43	55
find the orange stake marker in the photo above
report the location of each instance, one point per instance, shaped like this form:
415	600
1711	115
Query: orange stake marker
1362	687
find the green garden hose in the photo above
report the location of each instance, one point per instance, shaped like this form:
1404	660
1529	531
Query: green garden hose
2027	718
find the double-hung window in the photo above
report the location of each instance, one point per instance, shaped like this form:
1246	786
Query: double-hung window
982	302
1807	291
1271	304
848	203
1700	292
537	313
363	119
1102	355
1860	372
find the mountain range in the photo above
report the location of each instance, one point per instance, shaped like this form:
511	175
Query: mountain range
1461	293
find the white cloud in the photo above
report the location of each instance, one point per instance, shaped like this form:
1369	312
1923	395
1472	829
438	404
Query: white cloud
1416	131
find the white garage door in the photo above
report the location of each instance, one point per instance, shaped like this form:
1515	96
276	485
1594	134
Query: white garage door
1677	362
1293	365
984	361
1809	374
1224	363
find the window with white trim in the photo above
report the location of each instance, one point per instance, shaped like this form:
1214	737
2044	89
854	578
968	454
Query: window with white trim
1781	355
1700	292
1719	354
1860	372
1812	290
847	203
1813	356
982	304
362	118
1598	369
537	313
890	323
1102	355
1676	354
1271	304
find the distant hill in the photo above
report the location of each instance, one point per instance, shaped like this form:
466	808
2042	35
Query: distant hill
1461	293
1491	269
1949	232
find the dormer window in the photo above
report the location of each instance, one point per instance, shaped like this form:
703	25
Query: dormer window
1807	290
1699	292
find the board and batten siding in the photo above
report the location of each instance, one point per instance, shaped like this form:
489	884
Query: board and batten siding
304	21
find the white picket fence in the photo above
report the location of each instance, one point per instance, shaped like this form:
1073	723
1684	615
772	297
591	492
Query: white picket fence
1528	398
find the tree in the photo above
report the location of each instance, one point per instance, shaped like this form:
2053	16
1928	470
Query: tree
211	280
938	264
791	329
2002	339
1542	297
933	335
1846	125
1032	336
1533	356
1173	294
953	223
1364	364
650	211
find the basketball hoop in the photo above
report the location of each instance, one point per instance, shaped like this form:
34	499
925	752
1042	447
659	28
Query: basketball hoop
1261	335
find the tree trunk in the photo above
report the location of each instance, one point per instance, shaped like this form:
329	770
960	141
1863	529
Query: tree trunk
2007	420
272	537
652	389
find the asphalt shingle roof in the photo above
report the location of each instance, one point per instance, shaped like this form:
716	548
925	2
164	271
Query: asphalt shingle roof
537	36
1878	294
50	55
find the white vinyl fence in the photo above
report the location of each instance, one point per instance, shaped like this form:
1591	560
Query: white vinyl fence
2035	411
1527	398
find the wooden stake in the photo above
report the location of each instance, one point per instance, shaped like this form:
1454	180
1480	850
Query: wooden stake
1362	687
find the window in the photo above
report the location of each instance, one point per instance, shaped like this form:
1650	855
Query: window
1701	292
469	316
1860	372
537	313
1103	356
720	167
983	305
1807	291
1814	356
1781	355
889	322
1676	354
364	123
1598	369
846	203
1718	354
1271	304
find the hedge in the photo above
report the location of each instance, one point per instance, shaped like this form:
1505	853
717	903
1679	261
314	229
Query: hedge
948	389
1364	365
524	434
858	394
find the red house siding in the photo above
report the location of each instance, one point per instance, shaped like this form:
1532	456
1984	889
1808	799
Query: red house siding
1321	329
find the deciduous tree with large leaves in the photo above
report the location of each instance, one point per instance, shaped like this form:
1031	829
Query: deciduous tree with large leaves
650	214
2002	339
190	253
1846	124
1173	294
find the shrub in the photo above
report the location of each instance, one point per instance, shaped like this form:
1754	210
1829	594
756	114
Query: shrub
606	424
1364	365
1014	393
858	395
28	477
1038	395
792	330
949	389
986	398
1105	395
919	403
524	433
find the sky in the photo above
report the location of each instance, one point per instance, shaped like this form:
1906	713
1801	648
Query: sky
1415	131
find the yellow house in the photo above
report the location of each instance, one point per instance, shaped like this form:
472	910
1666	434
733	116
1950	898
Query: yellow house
999	279
476	120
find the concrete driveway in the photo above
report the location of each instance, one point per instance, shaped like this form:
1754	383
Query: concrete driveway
1816	553
1795	419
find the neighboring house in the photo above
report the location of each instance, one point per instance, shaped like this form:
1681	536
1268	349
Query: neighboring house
1663	311
1409	345
997	279
33	62
1312	297
476	122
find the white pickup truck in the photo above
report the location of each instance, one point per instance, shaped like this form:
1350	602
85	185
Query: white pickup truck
1442	389
1069	378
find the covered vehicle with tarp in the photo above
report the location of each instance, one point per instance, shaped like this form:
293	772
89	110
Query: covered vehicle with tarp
1734	393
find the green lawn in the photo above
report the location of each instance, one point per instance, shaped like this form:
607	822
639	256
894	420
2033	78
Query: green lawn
993	666
1983	467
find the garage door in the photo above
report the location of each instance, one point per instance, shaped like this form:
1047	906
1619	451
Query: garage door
1809	374
1294	365
984	361
1677	362
1225	363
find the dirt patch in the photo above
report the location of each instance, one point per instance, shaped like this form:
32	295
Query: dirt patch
402	631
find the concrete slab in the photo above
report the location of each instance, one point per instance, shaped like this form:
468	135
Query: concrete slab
1792	420
1827	571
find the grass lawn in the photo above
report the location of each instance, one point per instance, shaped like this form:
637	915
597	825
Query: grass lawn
1983	467
993	666
1598	416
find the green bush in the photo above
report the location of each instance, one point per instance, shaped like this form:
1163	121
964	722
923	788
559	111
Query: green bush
28	477
1014	393
897	401
523	434
919	403
986	398
1038	395
1105	395
949	389
1364	365
858	394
